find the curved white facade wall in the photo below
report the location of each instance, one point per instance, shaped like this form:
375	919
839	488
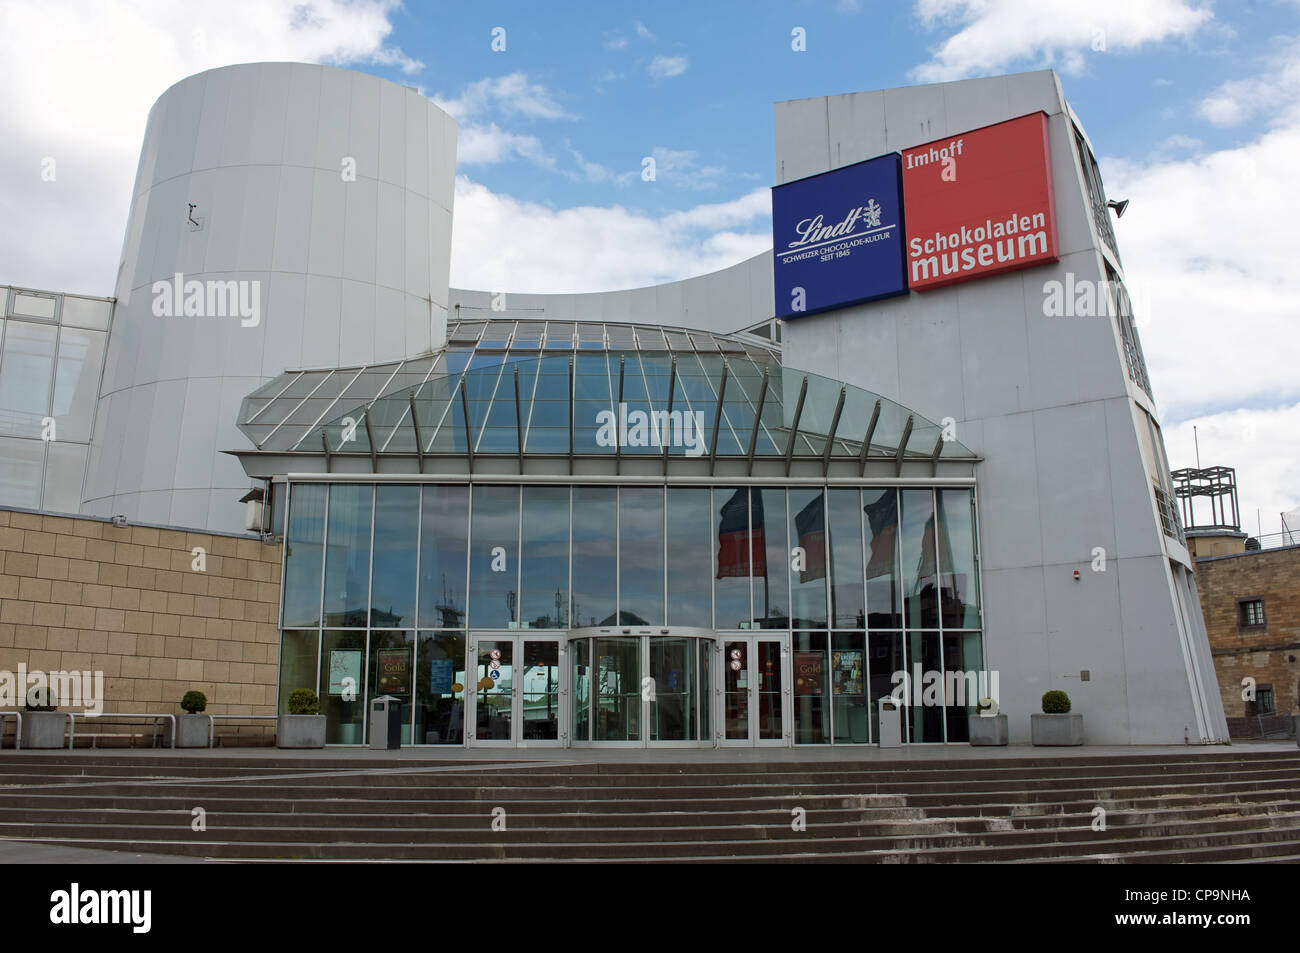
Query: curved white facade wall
727	300
330	189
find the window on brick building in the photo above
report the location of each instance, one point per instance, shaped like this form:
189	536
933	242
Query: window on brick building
1264	700
1250	613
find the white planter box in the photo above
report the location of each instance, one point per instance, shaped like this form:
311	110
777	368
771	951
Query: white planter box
300	731
1056	730
988	729
44	729
191	731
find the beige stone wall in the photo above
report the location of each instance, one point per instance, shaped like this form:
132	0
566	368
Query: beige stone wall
83	594
1270	653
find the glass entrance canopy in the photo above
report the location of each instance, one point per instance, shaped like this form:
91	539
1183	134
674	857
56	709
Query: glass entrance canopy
625	395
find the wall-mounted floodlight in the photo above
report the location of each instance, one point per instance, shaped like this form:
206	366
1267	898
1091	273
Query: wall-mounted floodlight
1118	206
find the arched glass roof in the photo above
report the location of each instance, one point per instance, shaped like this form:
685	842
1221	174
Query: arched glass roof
507	389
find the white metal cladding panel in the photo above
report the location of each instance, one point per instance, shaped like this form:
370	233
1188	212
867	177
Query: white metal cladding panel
293	219
257	226
270	110
199	420
417	116
359	236
332	131
237	136
1075	505
357	317
389	252
416	249
392	134
301	117
286	298
363	139
328	221
994	367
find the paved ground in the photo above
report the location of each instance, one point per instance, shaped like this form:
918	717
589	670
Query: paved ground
660	755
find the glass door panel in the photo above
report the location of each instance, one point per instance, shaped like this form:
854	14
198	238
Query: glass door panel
494	690
769	685
540	716
673	715
736	690
617	667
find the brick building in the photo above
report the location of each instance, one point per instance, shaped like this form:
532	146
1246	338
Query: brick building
1251	603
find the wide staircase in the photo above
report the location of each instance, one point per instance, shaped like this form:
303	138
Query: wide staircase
1222	806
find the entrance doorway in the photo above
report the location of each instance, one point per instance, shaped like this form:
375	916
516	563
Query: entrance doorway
756	690
517	692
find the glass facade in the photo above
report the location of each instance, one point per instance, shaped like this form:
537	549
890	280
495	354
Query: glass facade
592	614
51	358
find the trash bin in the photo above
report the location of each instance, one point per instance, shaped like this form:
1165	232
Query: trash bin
385	722
891	722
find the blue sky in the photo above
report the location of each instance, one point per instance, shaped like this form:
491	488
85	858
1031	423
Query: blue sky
1193	107
595	60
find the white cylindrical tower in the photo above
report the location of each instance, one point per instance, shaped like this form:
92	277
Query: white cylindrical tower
307	212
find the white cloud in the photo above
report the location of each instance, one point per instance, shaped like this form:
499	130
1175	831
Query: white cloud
1238	100
642	32
614	41
511	95
1259	444
993	34
595	172
678	167
501	242
483	145
666	67
79	80
1210	246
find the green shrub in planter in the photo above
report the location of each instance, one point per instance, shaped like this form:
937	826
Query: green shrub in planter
304	701
1056	702
194	702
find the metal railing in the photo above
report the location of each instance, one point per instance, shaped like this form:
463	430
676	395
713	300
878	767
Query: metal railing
1277	540
153	717
212	726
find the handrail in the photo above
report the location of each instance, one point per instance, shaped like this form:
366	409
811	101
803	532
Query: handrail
212	725
18	730
155	717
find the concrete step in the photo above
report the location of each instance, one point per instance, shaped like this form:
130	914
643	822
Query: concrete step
917	849
1224	807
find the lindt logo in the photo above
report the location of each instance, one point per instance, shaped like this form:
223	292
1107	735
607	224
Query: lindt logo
813	231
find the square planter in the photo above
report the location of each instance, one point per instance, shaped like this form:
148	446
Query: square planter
300	731
191	731
44	729
988	729
1056	730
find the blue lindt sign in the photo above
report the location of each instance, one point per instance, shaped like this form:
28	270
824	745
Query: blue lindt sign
837	238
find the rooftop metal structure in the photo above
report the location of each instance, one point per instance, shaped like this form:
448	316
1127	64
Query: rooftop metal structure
1219	486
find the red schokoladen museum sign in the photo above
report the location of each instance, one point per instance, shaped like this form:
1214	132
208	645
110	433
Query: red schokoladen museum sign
979	203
